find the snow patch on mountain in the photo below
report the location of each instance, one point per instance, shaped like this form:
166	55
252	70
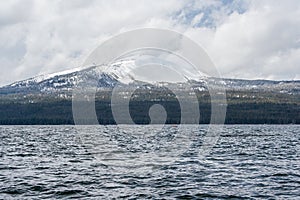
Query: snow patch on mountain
120	72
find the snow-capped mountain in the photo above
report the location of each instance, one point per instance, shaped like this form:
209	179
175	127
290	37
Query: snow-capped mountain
109	76
59	82
104	76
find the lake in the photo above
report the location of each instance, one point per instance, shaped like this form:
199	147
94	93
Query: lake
140	162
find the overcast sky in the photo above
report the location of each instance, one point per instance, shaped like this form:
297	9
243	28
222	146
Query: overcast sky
245	39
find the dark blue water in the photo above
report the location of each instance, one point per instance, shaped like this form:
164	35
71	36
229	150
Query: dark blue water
247	162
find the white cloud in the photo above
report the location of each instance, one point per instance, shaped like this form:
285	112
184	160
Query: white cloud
259	43
197	19
252	39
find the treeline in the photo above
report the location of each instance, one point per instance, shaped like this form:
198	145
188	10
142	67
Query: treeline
60	112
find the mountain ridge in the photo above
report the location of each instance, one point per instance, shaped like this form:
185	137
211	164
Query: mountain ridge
48	99
66	80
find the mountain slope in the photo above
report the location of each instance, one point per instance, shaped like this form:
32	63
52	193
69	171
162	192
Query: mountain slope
108	77
48	99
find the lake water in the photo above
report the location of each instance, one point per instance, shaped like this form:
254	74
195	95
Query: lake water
105	162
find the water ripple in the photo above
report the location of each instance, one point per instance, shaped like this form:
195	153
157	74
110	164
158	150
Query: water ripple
248	162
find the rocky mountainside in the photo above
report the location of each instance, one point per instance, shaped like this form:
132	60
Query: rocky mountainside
47	99
108	77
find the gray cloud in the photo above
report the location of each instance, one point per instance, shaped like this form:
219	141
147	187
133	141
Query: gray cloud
246	39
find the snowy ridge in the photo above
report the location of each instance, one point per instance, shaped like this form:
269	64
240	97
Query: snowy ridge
40	78
119	72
